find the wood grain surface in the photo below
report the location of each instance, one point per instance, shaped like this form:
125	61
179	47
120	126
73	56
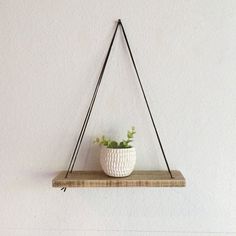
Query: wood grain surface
139	178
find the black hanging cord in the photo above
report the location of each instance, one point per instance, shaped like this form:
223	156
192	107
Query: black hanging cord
81	135
83	129
95	93
145	98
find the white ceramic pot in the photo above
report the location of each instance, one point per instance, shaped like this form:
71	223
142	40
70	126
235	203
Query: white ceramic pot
118	162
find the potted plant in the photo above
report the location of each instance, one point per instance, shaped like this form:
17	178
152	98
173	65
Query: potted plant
117	158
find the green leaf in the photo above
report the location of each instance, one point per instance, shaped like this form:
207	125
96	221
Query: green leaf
128	141
130	134
113	144
122	144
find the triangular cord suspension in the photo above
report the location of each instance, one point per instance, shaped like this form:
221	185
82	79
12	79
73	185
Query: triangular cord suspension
85	123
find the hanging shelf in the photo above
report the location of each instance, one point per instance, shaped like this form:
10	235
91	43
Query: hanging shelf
139	178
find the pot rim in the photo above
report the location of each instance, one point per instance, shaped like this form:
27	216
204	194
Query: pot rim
131	148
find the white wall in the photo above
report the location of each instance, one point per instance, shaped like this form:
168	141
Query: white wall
51	56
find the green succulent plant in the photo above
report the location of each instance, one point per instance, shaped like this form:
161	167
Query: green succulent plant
109	143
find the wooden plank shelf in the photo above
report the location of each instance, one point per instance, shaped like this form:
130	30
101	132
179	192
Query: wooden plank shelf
139	178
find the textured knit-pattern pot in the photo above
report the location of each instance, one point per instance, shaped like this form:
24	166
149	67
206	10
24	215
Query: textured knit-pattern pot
118	162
